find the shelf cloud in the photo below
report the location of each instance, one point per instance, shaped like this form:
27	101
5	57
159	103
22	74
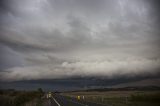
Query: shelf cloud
52	39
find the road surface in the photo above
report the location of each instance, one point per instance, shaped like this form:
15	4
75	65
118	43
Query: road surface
59	100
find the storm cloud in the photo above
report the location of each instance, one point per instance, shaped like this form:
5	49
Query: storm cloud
52	39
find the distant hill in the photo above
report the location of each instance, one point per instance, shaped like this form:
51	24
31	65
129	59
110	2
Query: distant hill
144	82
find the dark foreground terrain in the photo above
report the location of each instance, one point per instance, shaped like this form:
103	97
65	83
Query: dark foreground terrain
12	97
129	96
96	97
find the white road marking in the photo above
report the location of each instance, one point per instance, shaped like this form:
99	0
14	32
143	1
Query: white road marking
56	101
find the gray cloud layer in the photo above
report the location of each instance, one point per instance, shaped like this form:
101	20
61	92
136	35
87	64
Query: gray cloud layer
43	39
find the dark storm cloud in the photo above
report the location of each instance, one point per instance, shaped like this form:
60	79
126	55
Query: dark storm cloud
4	5
66	38
155	4
21	46
154	12
9	58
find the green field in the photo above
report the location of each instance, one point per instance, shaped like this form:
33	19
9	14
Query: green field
120	98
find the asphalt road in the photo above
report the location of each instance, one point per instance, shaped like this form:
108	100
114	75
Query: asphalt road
59	100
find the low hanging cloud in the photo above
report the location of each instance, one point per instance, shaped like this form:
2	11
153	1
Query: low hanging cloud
51	39
106	69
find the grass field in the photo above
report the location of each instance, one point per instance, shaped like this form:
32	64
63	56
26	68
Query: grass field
120	98
20	98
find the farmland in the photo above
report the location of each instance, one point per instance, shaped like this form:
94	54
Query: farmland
119	98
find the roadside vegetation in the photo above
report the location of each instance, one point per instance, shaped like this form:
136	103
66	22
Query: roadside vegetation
21	98
120	98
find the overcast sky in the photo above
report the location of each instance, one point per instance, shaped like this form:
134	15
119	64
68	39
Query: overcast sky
50	39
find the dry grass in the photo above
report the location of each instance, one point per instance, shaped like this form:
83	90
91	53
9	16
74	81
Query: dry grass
120	98
108	93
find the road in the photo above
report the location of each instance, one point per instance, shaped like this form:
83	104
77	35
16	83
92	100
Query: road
59	100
